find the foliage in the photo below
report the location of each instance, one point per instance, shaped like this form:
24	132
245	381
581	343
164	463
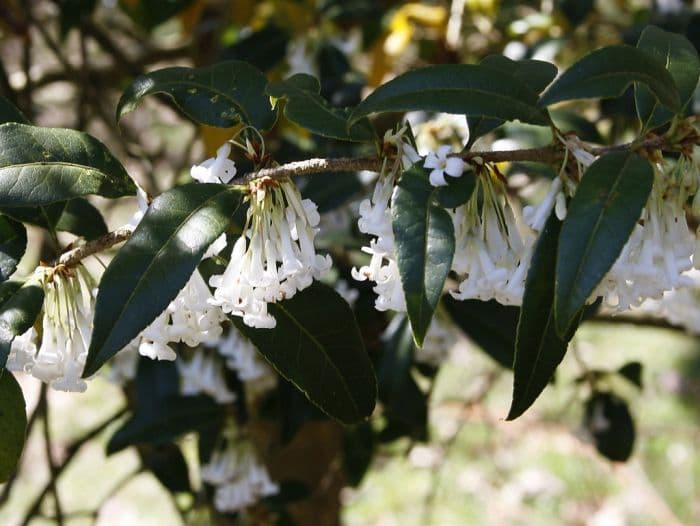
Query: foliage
228	275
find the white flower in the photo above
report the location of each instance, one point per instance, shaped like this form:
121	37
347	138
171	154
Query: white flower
243	357
204	374
492	247
240	479
189	318
276	256
441	164
142	200
348	293
219	169
300	57
406	153
657	254
67	327
375	219
22	351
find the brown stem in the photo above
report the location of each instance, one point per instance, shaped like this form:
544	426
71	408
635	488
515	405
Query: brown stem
547	154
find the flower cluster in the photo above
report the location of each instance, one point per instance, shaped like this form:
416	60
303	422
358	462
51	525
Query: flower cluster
274	258
492	246
657	253
375	219
66	330
203	374
239	477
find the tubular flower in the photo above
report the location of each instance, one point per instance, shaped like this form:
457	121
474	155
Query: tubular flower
242	356
658	252
276	256
491	250
441	164
67	327
240	478
189	318
375	219
204	374
219	169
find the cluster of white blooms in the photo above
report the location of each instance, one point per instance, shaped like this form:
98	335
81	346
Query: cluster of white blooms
242	356
240	478
657	253
492	246
204	374
66	330
375	220
274	258
680	306
189	318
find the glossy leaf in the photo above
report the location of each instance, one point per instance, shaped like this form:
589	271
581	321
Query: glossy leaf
404	402
39	166
13	243
176	416
424	245
537	74
76	216
610	423
469	89
13	422
538	348
317	346
168	464
19	309
608	72
600	219
308	109
458	190
10	113
489	324
682	62
156	262
220	95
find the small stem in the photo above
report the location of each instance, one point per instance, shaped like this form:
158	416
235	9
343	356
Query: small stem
74	256
53	468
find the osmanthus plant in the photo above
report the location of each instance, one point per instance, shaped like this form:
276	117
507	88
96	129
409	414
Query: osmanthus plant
234	253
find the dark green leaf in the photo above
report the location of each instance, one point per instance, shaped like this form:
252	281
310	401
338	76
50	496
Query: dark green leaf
358	452
470	89
76	216
425	244
150	13
156	262
632	372
403	400
537	74
176	416
262	49
538	348
13	243
39	166
458	190
9	113
18	311
168	464
608	72
317	346
682	62
13	422
489	324
609	421
600	219
308	109
79	217
220	95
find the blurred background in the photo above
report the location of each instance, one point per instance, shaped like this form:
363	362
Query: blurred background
438	450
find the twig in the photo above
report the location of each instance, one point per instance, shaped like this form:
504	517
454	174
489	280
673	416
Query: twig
72	452
551	153
53	467
74	256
